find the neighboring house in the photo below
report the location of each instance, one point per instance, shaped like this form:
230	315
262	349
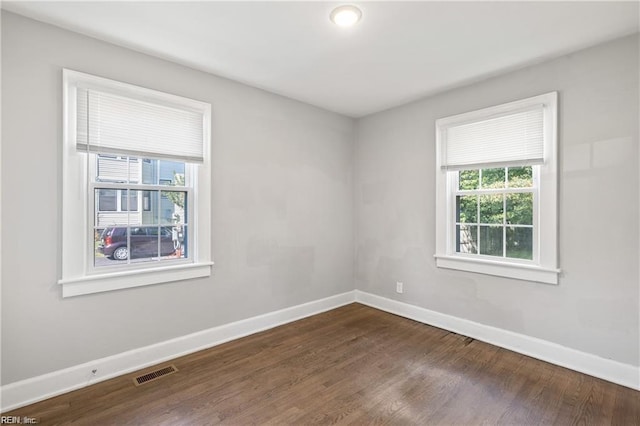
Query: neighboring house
113	207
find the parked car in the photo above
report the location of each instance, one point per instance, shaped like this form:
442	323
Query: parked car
143	241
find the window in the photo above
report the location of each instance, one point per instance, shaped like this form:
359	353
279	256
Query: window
496	190
136	173
494	212
167	203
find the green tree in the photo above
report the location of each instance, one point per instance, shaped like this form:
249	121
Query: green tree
177	197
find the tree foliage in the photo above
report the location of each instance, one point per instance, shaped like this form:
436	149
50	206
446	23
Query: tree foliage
177	197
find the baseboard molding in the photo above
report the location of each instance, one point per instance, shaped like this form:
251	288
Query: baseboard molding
25	392
606	369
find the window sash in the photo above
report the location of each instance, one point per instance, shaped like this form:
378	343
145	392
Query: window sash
129	265
187	222
454	191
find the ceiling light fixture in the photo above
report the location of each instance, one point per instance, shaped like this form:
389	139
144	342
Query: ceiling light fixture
345	16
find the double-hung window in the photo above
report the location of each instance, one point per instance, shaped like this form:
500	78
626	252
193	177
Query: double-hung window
136	186
496	190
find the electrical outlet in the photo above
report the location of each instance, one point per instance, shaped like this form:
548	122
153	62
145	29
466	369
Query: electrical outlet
399	288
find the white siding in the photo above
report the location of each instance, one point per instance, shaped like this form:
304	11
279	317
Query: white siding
118	169
104	219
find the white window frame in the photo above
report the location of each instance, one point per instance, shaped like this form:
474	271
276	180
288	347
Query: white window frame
544	266
79	276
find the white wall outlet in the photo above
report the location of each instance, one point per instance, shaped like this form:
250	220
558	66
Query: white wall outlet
399	288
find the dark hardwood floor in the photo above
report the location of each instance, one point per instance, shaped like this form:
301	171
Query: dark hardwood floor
353	365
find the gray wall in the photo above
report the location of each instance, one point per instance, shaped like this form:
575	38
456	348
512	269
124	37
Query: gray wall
282	207
595	307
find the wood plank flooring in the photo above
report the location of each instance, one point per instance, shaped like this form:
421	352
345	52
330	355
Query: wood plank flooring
351	366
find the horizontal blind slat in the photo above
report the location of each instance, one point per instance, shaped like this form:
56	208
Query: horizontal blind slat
109	123
511	138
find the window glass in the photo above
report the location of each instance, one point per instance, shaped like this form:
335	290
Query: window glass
493	178
467	208
173	207
520	242
138	225
107	200
520	177
491	208
467	239
469	179
491	240
519	208
494	218
128	200
163	172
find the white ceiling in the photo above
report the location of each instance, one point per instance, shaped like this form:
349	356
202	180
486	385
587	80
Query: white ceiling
398	52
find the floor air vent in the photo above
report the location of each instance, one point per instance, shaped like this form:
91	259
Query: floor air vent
154	375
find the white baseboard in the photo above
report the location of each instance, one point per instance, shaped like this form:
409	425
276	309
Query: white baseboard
606	369
36	389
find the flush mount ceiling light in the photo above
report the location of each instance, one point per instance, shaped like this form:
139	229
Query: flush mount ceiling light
345	16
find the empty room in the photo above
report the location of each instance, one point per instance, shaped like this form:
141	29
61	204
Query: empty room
291	213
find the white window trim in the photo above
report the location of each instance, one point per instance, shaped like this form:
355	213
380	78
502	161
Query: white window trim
78	276
544	268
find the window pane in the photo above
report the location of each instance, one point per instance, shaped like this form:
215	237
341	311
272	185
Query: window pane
491	208
173	207
171	173
112	248
491	240
467	209
107	200
150	207
149	172
133	200
493	178
97	245
467	239
111	168
178	237
520	177
135	170
144	242
130	202
469	179
520	208
520	242
163	172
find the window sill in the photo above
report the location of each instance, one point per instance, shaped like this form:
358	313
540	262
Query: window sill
500	269
89	284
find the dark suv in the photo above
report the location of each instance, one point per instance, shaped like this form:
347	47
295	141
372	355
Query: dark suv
143	240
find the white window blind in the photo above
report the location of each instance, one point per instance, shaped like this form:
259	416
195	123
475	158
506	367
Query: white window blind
510	139
112	124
